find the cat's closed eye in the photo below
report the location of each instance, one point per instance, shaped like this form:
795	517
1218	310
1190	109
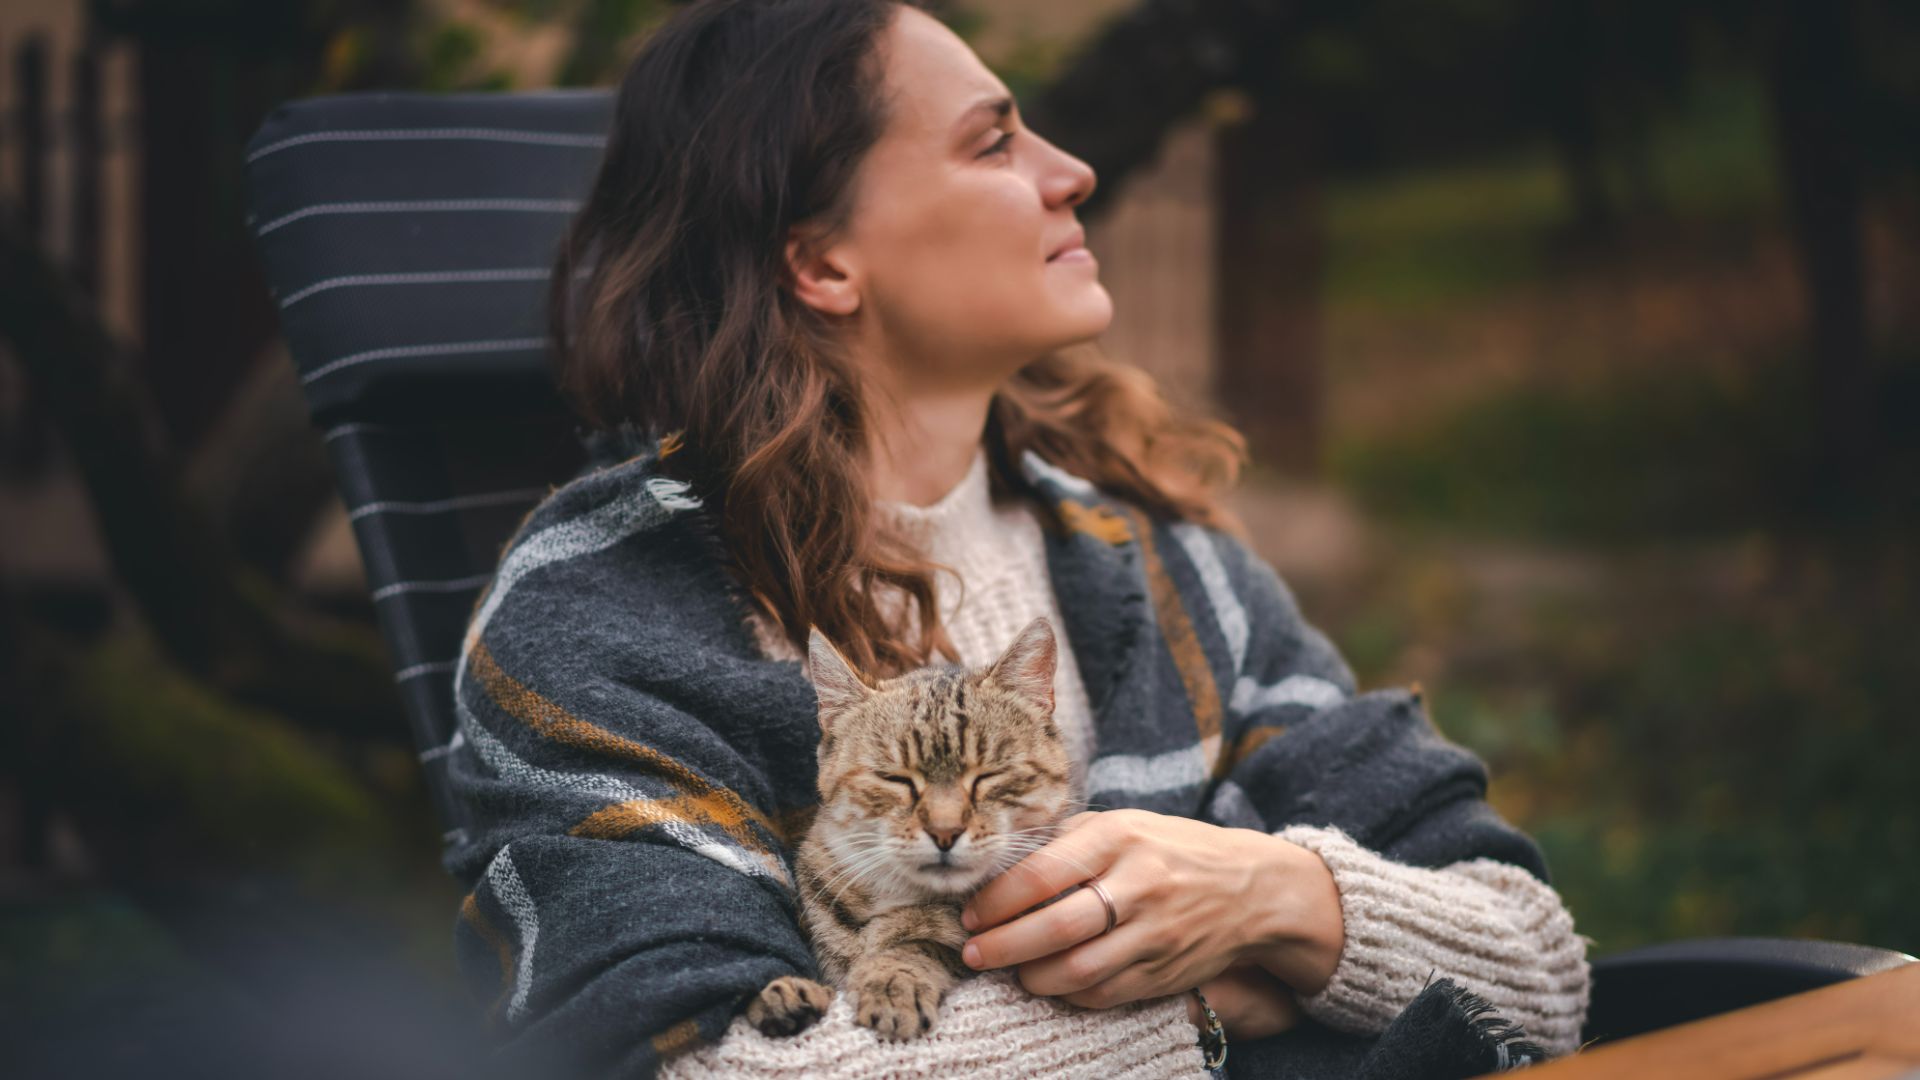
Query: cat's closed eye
981	779
913	789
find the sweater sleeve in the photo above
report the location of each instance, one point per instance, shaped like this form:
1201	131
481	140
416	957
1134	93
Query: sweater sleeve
1488	925
1432	881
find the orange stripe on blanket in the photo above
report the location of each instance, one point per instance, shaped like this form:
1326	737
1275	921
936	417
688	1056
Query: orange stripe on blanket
1250	741
623	819
1177	628
1096	521
557	724
677	1039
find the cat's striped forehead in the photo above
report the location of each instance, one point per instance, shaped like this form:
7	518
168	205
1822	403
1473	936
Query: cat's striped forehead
940	722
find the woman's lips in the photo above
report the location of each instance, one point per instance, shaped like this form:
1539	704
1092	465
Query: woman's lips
1076	255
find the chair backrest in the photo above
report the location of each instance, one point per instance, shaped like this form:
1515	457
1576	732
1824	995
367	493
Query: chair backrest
408	240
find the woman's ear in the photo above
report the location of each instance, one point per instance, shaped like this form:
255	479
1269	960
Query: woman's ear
823	279
838	686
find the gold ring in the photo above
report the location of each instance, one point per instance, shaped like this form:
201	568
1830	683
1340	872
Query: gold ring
1100	890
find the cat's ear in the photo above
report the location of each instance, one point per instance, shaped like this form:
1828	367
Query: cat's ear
1026	668
839	687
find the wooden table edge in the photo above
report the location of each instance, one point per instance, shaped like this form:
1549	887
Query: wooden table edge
1876	1014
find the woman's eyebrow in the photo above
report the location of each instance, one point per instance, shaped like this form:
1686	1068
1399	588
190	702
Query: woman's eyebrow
1000	107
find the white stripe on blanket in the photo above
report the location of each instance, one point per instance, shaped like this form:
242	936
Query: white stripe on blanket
1249	696
594	531
505	882
1150	774
1037	467
511	766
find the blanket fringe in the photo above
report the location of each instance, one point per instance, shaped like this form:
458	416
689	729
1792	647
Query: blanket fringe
1505	1039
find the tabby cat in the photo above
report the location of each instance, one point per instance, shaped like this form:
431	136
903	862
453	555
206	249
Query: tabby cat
930	784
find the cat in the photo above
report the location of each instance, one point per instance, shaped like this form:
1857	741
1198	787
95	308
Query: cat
930	784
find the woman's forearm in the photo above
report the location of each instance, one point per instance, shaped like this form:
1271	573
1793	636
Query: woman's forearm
1303	933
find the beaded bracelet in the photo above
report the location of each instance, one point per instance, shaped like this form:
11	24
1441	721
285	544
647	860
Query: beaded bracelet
1213	1039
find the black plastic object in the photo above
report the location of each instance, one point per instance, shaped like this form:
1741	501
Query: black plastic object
1644	989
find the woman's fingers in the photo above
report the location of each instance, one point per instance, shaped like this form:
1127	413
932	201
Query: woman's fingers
1080	854
1060	925
1128	985
1084	969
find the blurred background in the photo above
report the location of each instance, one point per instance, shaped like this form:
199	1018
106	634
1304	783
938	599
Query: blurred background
1577	342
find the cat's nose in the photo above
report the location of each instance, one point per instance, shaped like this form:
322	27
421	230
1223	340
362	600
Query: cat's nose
944	838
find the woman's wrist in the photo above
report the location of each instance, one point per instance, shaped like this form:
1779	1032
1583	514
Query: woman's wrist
1301	933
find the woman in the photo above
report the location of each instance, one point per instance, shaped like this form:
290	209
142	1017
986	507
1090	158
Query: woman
824	253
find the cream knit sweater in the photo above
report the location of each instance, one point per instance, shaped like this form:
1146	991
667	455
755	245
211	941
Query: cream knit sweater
1490	925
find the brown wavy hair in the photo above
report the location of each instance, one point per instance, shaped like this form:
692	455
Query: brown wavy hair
672	311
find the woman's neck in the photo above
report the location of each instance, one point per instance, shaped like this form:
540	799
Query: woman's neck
922	446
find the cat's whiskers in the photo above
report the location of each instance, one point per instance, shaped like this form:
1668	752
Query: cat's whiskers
1013	850
1074	863
852	872
1048	831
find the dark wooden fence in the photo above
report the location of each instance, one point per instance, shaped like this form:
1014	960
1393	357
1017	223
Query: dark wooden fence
56	165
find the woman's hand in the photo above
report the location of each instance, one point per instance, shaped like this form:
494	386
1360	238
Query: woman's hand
1192	899
1250	1002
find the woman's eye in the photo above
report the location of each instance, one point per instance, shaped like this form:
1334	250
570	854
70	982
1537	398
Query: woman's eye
999	145
911	787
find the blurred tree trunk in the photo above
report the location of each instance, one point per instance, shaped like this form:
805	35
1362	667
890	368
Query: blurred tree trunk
209	72
1270	243
23	783
200	99
166	557
1567	43
215	618
1814	90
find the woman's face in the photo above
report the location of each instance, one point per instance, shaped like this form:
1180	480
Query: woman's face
945	267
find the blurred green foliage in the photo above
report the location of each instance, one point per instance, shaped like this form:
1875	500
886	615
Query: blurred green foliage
1679	641
1430	237
1707	737
241	786
1445	235
1652	454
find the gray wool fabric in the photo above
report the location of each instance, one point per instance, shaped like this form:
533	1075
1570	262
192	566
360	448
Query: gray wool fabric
633	768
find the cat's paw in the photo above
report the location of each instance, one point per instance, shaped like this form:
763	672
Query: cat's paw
897	1005
788	1005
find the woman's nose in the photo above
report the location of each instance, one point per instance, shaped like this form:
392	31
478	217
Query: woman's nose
1069	181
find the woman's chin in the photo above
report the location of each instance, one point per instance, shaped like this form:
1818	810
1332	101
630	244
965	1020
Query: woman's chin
1082	320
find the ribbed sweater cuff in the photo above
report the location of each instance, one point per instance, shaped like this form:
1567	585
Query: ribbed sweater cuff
988	1027
1490	926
